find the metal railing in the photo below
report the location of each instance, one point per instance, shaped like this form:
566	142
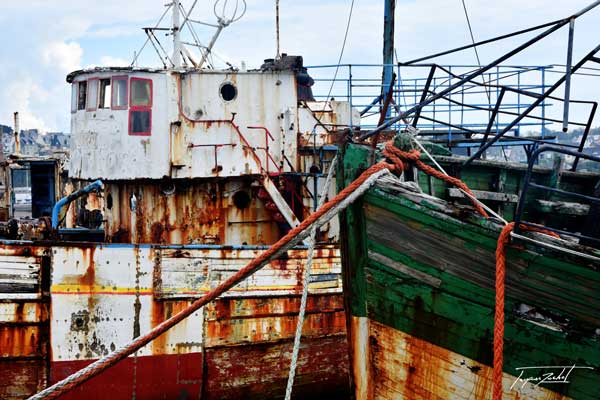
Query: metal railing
528	184
453	119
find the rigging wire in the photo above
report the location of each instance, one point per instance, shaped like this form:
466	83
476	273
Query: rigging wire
148	38
341	51
479	61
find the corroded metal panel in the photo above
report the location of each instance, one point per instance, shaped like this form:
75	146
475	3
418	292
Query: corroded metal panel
24	344
322	123
102	298
235	321
101	146
213	146
192	273
194	212
20	277
24	326
138	377
195	132
259	371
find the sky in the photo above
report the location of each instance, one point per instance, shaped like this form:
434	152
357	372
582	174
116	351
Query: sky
42	41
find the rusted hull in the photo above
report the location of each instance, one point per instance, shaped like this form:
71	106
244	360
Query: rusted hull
260	371
397	365
146	377
254	371
77	303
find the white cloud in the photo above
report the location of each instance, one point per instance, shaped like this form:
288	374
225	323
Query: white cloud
66	56
21	93
109	61
69	34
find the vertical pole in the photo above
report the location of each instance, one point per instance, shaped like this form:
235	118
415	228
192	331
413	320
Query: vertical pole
565	126
277	27
176	37
351	124
17	133
388	47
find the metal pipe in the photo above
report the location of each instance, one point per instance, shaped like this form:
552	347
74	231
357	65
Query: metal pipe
494	39
488	129
73	196
585	134
526	182
565	126
424	94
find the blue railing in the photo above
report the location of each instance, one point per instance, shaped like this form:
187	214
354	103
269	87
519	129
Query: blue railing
461	117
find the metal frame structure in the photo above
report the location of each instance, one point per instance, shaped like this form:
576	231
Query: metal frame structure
456	86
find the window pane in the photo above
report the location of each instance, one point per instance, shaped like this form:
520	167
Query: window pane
92	94
119	93
104	98
81	95
74	97
140	122
140	92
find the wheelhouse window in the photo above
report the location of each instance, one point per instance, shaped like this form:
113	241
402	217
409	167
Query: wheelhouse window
104	97
141	92
119	93
74	97
92	95
81	95
140	107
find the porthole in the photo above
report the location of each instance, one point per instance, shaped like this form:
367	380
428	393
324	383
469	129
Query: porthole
241	199
228	91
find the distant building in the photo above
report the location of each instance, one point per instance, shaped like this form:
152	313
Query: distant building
34	143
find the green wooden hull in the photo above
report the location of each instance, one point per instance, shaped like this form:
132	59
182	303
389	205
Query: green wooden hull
415	268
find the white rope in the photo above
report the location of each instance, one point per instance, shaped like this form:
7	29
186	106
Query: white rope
469	195
309	260
492	212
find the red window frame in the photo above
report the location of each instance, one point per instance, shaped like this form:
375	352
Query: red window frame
112	88
133	108
88	97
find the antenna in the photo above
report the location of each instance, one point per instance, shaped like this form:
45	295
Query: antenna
277	26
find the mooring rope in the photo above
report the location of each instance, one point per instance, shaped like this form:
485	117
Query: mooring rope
309	261
324	213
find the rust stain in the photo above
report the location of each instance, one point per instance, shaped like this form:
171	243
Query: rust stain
250	320
156	232
158	316
87	259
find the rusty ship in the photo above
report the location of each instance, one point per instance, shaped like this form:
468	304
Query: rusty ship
177	177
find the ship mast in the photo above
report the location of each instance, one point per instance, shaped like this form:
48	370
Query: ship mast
176	37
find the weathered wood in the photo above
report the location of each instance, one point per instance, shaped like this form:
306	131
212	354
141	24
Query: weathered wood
562	207
429	279
486	195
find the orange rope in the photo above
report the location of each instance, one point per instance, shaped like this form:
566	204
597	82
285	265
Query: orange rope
72	381
503	240
398	157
